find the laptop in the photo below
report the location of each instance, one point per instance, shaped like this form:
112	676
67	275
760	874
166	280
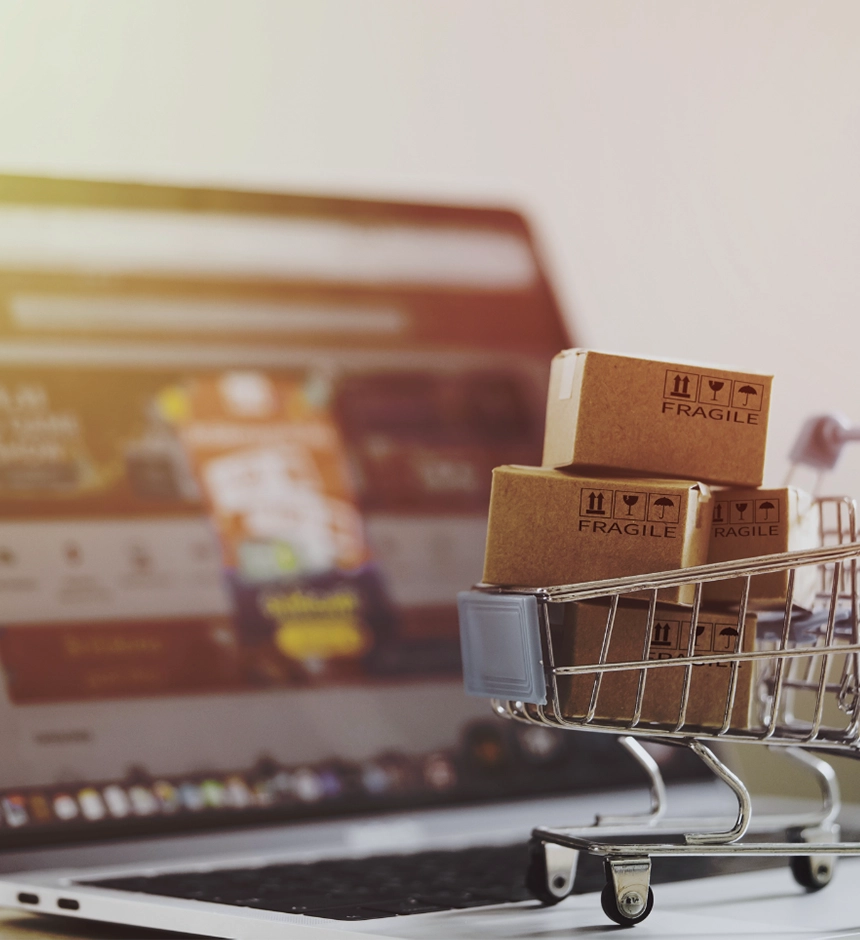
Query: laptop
245	452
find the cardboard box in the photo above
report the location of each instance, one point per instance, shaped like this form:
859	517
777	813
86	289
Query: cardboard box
548	527
751	522
656	418
578	642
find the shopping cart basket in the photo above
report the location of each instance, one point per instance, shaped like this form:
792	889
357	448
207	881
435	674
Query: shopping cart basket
800	670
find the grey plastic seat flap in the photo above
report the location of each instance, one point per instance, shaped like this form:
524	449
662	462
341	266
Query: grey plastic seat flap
500	642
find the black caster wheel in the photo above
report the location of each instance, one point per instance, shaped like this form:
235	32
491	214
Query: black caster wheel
610	907
536	874
810	872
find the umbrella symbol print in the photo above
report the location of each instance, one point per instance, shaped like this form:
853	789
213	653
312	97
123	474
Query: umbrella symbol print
630	500
746	391
663	502
731	635
767	505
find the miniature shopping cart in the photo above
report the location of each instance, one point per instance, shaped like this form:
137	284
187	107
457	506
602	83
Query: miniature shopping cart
805	668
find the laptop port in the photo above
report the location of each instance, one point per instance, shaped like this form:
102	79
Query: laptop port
68	904
24	897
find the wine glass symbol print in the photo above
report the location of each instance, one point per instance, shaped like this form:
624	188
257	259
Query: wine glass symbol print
630	500
715	386
741	509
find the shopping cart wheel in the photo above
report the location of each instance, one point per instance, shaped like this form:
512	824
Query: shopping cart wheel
550	870
627	897
610	907
812	872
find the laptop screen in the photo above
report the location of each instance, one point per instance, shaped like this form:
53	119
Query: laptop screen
245	455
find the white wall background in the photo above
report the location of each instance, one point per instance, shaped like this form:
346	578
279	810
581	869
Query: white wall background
692	167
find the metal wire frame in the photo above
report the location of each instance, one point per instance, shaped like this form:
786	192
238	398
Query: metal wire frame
788	669
655	820
839	566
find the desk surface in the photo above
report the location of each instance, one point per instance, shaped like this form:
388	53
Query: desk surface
17	926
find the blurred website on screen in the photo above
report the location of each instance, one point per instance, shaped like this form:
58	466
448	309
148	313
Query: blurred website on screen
245	455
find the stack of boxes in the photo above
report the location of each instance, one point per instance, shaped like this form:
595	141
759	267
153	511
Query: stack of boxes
649	466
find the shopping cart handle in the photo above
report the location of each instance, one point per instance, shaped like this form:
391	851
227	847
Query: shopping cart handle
821	440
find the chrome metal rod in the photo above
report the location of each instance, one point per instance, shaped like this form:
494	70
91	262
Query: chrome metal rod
656	787
828	784
691	650
703	660
636	850
779	679
735	667
646	653
825	660
716	571
740	791
604	652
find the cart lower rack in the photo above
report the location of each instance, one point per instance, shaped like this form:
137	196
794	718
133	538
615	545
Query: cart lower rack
789	680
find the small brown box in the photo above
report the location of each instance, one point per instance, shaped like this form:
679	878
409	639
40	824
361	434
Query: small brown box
747	523
661	419
578	642
548	527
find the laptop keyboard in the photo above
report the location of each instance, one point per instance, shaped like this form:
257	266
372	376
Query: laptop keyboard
355	889
391	885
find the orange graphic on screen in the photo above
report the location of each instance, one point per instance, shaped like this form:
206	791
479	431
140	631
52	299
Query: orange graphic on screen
272	467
